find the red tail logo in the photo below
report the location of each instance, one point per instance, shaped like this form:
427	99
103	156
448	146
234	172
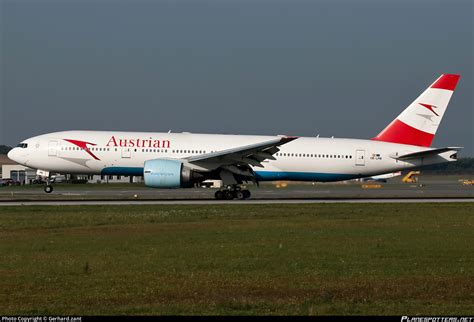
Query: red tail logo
83	146
430	107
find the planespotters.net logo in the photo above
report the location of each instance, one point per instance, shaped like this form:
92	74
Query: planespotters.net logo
437	319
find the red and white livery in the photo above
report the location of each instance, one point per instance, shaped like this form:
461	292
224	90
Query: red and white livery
418	123
173	160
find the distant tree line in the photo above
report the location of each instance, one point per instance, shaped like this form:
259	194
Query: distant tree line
4	149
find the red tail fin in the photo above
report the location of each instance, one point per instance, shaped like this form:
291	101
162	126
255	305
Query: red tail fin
418	123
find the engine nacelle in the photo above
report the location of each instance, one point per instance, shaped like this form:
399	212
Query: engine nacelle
163	173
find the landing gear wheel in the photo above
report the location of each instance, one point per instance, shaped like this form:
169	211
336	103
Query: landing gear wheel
239	195
219	195
229	195
246	194
48	188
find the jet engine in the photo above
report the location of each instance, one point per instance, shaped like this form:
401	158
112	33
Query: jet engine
164	173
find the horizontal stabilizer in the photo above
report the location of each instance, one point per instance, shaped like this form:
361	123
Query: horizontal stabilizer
426	153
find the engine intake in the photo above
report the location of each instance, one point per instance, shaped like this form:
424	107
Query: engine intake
162	173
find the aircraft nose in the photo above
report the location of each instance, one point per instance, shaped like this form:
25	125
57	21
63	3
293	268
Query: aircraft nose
11	154
14	155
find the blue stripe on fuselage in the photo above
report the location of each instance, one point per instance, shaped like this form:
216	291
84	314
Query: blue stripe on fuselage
261	175
122	171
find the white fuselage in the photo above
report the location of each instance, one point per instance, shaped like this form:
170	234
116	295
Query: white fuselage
124	153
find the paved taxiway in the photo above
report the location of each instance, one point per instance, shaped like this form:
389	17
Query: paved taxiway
217	202
428	189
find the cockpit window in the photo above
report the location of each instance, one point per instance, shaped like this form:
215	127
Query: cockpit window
22	145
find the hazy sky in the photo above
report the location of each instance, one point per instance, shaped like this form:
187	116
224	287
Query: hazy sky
342	68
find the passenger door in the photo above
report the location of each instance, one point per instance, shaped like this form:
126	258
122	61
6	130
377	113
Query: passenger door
53	148
360	158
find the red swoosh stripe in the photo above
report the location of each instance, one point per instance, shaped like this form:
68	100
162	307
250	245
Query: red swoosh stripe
83	145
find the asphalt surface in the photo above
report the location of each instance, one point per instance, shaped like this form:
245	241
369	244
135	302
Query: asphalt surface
216	202
428	189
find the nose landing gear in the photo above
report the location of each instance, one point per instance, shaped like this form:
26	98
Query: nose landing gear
48	188
232	192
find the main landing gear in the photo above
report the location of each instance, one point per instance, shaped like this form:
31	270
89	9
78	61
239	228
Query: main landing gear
232	192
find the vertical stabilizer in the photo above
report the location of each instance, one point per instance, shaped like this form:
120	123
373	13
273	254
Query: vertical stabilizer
418	123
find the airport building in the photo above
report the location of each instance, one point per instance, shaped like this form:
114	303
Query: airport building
113	179
11	170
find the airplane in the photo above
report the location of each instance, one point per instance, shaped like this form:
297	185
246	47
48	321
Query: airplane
182	160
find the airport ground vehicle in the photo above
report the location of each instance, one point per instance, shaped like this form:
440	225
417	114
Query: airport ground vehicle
182	160
9	182
411	177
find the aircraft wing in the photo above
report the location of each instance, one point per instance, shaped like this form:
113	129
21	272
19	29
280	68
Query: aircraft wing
238	160
426	153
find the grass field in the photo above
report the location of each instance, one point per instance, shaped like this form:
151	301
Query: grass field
314	259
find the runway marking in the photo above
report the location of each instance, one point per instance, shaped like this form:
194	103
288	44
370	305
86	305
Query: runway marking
228	202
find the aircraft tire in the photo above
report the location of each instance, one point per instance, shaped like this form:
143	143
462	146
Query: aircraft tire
219	195
229	195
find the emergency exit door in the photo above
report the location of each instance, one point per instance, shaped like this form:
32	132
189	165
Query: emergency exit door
126	152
